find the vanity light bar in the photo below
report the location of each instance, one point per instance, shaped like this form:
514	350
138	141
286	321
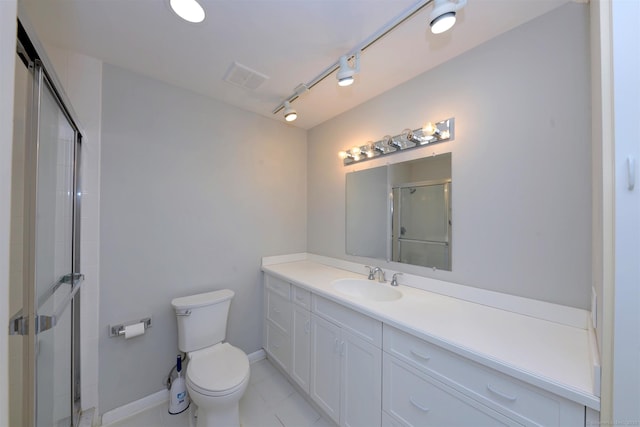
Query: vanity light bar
429	134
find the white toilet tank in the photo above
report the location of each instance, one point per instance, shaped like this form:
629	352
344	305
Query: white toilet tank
202	319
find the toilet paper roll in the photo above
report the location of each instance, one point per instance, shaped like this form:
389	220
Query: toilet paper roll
133	330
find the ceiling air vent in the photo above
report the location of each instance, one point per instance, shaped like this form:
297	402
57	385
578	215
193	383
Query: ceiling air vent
245	77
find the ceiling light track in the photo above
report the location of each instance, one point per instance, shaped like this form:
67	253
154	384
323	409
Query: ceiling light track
451	7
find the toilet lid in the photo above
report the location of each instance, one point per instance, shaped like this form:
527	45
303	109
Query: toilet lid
220	368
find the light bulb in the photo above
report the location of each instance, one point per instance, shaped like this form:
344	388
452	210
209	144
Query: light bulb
443	23
289	113
429	129
356	150
343	155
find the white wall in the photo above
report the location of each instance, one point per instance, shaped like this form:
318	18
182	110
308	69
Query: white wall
8	13
193	193
521	159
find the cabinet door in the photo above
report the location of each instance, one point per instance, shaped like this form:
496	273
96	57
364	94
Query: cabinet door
325	366
361	382
300	363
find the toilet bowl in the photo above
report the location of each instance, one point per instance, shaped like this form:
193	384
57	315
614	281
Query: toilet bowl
217	377
217	372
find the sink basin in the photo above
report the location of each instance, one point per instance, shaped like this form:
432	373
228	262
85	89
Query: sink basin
366	289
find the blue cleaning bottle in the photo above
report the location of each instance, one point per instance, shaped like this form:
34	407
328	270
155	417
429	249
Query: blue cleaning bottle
179	400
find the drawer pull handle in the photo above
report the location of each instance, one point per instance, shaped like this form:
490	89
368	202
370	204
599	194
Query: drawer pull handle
502	395
277	310
307	326
299	298
276	345
420	356
336	346
417	405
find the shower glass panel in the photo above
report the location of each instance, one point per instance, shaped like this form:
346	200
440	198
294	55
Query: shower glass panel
54	260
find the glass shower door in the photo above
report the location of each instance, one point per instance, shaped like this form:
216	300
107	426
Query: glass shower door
53	273
49	279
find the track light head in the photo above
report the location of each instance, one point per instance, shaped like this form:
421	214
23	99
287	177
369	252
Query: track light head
443	15
289	113
345	72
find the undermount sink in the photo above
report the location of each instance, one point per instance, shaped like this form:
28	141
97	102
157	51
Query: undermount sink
366	289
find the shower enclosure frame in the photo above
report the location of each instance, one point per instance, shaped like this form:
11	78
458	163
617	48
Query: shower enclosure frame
29	322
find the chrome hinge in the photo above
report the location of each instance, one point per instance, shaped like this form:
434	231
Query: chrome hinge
44	323
19	326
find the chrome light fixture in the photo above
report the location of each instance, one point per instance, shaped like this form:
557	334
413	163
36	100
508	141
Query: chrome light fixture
189	10
289	113
345	73
443	15
441	19
429	134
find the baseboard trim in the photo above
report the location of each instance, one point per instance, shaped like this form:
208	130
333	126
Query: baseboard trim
134	407
257	356
155	399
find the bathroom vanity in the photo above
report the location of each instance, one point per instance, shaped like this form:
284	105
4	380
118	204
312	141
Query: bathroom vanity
370	355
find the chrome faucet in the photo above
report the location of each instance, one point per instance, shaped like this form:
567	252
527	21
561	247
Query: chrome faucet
394	279
372	275
376	270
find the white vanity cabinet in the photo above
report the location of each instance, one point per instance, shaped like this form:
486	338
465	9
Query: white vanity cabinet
346	364
422	380
361	371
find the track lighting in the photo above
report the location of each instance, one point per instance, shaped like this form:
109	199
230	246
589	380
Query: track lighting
189	10
441	19
345	72
443	15
289	113
429	134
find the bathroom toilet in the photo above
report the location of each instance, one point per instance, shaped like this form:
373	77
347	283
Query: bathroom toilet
217	372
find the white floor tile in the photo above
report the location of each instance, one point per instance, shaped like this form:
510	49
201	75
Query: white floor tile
294	411
270	401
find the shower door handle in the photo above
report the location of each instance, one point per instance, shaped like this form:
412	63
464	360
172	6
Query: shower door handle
19	324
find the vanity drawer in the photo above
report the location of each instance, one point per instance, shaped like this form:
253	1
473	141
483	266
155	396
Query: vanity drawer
363	326
521	401
415	399
279	286
279	311
301	297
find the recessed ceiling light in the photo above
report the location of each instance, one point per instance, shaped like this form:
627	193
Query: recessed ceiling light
189	10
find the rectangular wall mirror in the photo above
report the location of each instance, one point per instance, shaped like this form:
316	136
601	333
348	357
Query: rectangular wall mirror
402	212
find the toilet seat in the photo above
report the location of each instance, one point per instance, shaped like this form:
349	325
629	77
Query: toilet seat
218	370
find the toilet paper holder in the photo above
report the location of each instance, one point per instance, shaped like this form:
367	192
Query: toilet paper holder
118	330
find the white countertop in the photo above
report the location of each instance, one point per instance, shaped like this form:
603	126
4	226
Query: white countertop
549	355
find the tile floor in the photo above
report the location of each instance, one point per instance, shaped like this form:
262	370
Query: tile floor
270	401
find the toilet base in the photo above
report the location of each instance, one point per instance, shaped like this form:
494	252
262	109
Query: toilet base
221	417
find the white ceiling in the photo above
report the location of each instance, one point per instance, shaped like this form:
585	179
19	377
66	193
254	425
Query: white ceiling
290	41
